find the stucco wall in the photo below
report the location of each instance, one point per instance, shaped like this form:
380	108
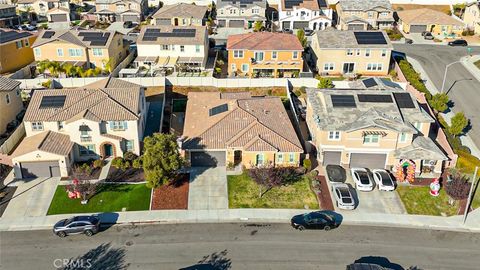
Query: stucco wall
64	162
9	111
13	59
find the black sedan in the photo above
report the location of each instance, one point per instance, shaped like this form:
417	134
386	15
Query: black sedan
320	220
458	42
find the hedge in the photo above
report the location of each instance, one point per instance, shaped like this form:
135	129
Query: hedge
413	78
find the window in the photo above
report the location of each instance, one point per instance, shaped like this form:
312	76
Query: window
118	125
60	52
328	66
87	150
182	48
367	52
19	44
295	55
165	47
258	56
197	48
384	52
245	68
402	137
7	98
37	126
418	126
371	138
291	157
119	42
375	66
60	125
349	52
260	159
97	52
234	67
334	135
26	43
75	52
18	92
237	54
357	52
289	13
129	145
279	158
274	55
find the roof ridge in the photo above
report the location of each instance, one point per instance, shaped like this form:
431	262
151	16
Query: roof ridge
118	103
257	138
43	140
240	134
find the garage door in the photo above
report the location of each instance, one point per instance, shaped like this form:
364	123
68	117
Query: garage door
208	158
236	23
367	160
286	25
330	157
130	18
356	27
300	25
40	169
59	17
221	23
163	22
417	28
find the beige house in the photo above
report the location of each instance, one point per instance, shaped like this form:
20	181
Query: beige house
351	52
58	14
87	48
237	129
10	102
181	14
373	127
99	120
38	9
121	10
236	14
471	16
419	20
364	14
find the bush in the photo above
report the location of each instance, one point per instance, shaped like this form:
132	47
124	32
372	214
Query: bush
458	188
303	89
307	164
126	165
393	74
98	163
137	163
117	162
130	156
86	168
325	83
413	78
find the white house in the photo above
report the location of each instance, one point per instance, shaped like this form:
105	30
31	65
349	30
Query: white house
303	14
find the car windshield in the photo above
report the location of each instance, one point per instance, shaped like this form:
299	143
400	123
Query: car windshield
363	177
386	181
344	192
347	200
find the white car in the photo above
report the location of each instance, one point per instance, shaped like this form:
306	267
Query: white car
343	196
362	179
383	180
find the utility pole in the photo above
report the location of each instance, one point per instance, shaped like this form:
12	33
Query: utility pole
469	199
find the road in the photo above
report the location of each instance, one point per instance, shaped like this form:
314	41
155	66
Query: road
463	89
240	246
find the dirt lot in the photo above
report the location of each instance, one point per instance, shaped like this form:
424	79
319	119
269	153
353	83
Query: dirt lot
153	92
256	91
172	196
442	8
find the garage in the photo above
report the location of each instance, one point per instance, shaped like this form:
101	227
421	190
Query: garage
332	157
59	18
418	28
40	169
300	25
236	23
368	160
208	158
130	18
286	25
163	21
356	26
221	23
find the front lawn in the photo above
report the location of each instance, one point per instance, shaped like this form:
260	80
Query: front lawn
243	192
109	198
418	201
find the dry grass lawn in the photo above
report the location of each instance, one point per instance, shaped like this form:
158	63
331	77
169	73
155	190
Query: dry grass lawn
255	91
442	8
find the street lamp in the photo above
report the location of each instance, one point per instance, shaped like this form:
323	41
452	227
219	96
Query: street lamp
445	74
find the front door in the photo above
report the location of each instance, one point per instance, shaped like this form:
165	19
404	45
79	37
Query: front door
176	21
237	157
348	68
108	150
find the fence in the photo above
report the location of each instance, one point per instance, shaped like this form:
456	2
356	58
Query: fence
25	72
124	63
8	145
429	2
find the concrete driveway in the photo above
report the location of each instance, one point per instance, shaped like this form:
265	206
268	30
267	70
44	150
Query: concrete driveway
208	188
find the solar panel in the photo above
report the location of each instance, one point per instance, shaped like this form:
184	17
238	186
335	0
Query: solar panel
404	100
149	38
218	109
347	101
7	36
292	3
48	34
52	101
375	98
369	82
375	38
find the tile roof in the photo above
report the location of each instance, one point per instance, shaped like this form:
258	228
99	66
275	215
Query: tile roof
181	10
422	148
47	141
332	38
9	35
364	5
308	4
264	41
237	3
199	39
427	16
91	102
71	36
7	84
253	124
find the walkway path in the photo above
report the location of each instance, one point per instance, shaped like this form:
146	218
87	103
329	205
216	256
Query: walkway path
208	189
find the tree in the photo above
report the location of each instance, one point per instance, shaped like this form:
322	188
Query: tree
439	102
70	70
43	65
81	189
257	27
458	123
107	63
325	83
302	38
267	176
161	159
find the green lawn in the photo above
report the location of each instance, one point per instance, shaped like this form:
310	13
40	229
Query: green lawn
243	192
418	201
110	198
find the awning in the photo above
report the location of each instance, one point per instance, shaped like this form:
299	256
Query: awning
187	60
146	59
167	61
382	133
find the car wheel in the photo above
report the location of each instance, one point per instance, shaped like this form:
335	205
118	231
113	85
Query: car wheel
88	233
61	234
300	228
327	228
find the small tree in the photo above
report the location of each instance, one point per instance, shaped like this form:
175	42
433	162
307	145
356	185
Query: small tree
439	102
267	176
458	124
257	27
161	159
81	189
302	38
325	83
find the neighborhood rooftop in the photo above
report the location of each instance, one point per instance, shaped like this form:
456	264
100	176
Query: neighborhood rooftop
7	35
181	10
427	16
83	38
241	3
7	84
264	41
309	4
364	4
172	35
47	141
335	39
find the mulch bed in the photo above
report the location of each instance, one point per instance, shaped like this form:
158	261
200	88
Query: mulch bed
172	196
422	181
83	176
324	196
6	194
129	175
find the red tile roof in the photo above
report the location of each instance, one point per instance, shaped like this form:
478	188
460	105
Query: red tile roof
264	41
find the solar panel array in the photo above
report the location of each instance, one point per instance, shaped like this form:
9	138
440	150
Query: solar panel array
218	109
372	38
404	100
52	101
369	82
95	38
292	3
6	36
242	1
347	101
48	34
153	34
375	98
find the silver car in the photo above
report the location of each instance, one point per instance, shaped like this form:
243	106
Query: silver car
87	225
343	196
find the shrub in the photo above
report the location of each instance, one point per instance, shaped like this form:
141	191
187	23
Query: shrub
413	78
98	163
297	93
307	164
458	188
126	165
86	168
393	73
117	162
130	156
325	83
137	163
230	165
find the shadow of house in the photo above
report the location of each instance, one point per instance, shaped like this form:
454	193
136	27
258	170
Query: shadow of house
214	261
103	257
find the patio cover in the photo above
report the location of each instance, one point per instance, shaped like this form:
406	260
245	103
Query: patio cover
186	60
167	61
146	59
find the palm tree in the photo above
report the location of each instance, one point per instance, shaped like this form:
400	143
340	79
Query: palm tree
69	69
81	72
43	65
54	68
107	63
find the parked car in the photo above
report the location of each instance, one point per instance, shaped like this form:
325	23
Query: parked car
87	225
30	27
308	32
363	180
127	24
336	173
428	36
320	220
458	42
383	180
343	197
408	41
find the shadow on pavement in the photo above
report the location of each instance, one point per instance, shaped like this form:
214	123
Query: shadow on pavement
214	261
381	261
107	220
103	257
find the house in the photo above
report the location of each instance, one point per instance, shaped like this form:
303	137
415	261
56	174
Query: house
237	129
351	52
15	49
121	10
364	14
37	9
10	102
8	15
181	14
304	14
264	54
240	14
471	16
424	19
169	47
99	120
86	48
373	128
58	14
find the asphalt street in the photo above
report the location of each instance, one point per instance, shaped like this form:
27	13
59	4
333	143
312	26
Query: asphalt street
462	88
240	246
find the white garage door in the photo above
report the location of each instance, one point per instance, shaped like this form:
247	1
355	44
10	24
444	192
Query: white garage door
59	17
300	25
40	169
418	28
331	157
236	23
368	160
356	27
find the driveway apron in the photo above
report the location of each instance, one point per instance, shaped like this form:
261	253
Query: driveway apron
208	188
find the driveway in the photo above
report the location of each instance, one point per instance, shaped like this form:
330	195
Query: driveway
208	188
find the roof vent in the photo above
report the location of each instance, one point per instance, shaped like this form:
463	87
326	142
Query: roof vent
266	111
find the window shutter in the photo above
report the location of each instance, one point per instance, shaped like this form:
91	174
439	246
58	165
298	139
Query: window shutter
125	126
